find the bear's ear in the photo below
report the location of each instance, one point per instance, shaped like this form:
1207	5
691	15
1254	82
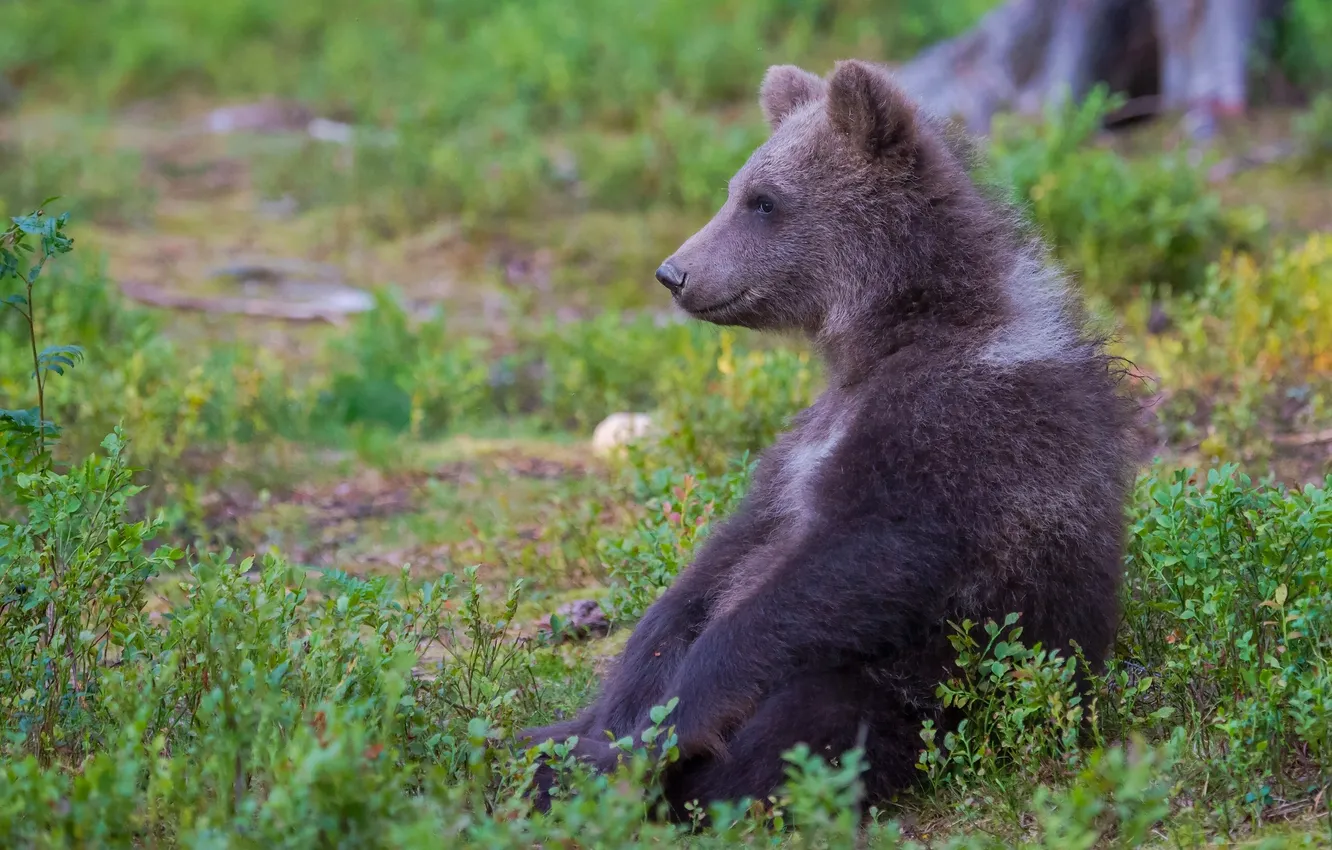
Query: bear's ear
786	87
865	105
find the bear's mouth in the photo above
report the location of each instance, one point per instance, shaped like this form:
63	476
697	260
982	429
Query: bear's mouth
713	309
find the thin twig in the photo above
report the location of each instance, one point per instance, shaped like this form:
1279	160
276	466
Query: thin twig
37	373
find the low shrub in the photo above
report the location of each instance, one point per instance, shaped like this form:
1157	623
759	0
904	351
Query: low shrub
1247	355
1122	226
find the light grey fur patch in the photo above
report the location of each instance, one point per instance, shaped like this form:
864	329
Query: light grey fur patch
799	456
841	316
809	448
1038	326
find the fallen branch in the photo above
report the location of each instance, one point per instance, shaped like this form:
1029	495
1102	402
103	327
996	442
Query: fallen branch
278	116
1316	438
328	311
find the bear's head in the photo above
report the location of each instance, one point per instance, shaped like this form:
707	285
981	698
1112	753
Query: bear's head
838	207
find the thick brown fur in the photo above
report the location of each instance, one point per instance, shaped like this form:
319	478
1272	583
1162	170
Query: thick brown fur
970	456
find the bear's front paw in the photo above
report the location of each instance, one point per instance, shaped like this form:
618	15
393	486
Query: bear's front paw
704	729
705	741
710	710
539	794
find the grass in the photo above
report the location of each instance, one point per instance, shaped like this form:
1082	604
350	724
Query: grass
415	484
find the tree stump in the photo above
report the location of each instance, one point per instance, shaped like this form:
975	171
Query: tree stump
1165	55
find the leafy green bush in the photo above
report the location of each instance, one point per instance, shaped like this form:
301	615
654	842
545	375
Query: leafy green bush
678	511
1314	131
421	375
1304	33
1023	713
25	432
1229	613
588	369
1120	225
74	586
721	399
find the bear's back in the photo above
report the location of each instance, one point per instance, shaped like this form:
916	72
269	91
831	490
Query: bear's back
1018	472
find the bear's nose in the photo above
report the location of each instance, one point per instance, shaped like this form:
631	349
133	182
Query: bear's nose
671	277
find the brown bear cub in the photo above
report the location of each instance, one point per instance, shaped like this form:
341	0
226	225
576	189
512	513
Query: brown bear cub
970	456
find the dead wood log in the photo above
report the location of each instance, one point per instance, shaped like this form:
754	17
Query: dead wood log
333	310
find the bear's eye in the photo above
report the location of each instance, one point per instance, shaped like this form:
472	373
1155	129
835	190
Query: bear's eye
764	205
